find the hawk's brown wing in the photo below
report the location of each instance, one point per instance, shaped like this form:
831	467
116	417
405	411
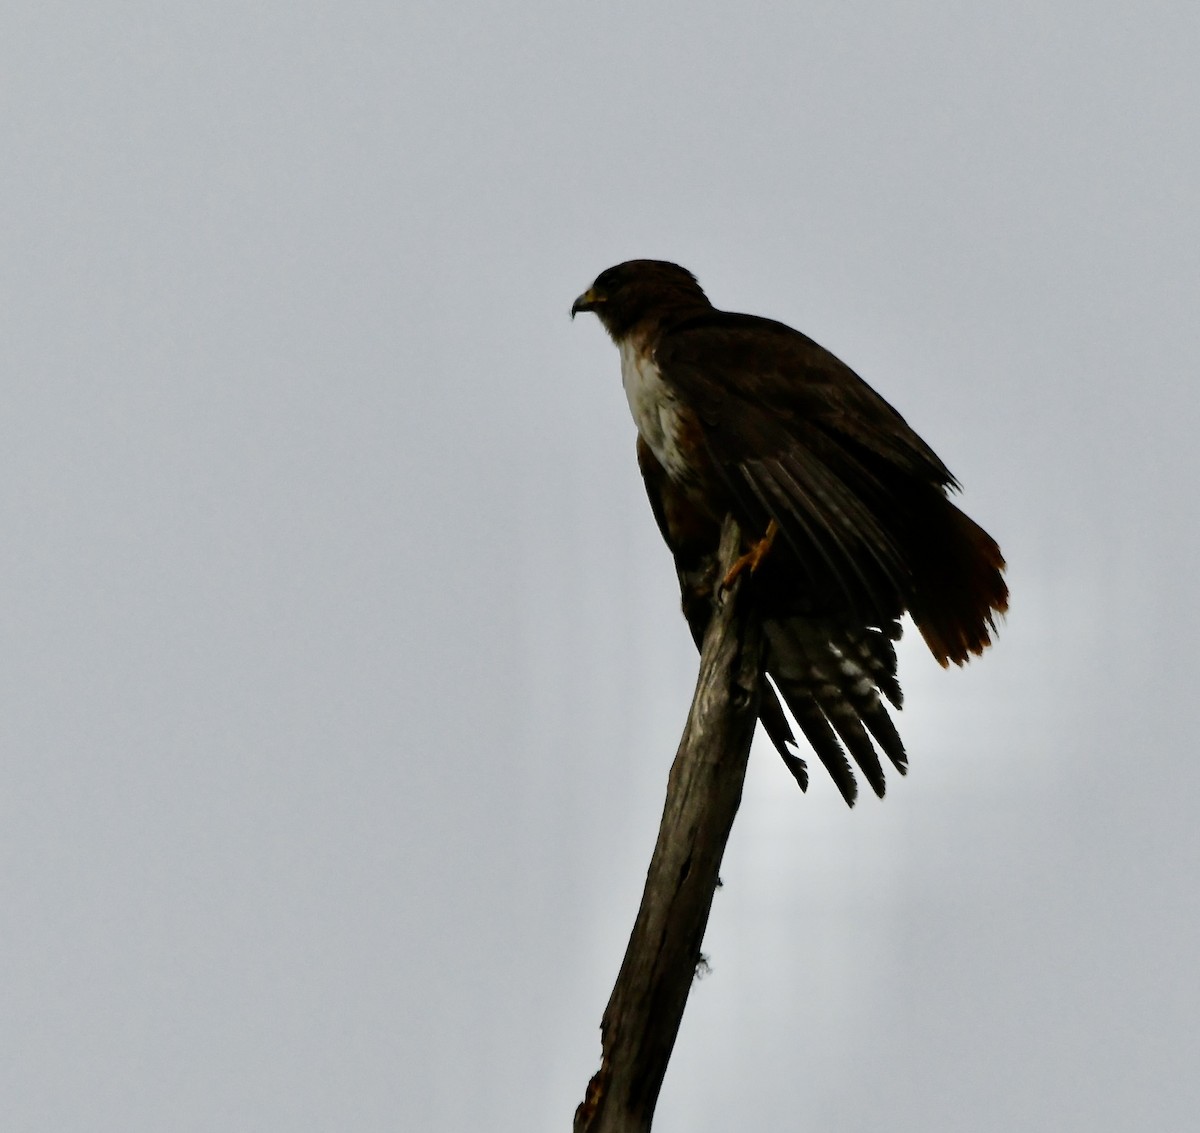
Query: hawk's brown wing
796	436
829	672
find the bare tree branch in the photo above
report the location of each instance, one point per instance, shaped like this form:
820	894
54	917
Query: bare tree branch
703	792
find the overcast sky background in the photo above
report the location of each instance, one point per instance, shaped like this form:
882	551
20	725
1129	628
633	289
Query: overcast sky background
341	662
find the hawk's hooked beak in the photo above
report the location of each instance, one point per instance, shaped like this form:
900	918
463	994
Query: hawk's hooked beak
588	301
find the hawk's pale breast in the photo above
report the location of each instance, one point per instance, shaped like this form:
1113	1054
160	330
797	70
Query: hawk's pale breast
662	421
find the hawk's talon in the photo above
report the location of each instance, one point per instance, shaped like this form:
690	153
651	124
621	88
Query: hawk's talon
753	557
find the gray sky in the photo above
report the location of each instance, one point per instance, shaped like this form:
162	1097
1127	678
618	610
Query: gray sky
342	665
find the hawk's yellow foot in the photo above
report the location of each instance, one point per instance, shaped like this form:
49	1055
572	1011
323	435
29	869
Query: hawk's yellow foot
753	557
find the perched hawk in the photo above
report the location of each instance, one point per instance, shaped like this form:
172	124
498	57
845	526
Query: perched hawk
843	508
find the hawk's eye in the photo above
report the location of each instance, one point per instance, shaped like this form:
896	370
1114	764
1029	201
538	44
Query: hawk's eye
608	281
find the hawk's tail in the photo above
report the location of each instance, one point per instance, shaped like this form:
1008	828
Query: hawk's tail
958	587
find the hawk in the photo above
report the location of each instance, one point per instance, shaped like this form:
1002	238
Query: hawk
844	511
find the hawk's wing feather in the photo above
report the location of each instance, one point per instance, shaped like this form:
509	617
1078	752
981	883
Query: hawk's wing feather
798	437
797	382
818	512
829	675
824	741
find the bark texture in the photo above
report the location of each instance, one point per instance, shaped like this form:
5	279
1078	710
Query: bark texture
703	792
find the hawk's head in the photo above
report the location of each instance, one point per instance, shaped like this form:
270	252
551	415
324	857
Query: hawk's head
624	295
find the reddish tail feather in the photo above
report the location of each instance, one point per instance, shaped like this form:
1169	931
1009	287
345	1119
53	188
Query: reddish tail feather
959	589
